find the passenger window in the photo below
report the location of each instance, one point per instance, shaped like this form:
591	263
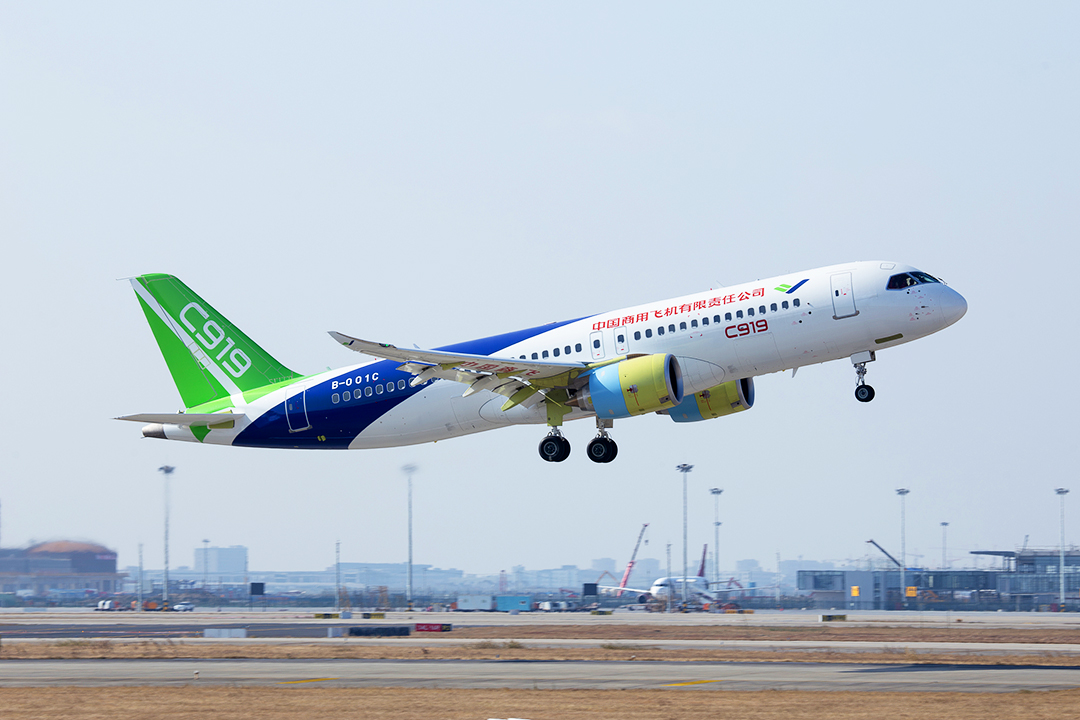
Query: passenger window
596	344
389	387
671	328
556	352
693	323
648	332
761	310
566	349
772	307
727	317
335	398
660	330
621	339
784	305
795	302
367	391
544	354
577	347
705	320
535	356
401	383
682	326
522	357
346	396
738	314
716	318
378	389
637	334
750	312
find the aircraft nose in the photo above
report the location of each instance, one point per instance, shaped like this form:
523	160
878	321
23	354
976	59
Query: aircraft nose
953	305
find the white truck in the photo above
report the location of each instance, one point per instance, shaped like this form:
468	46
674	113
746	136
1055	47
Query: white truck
475	602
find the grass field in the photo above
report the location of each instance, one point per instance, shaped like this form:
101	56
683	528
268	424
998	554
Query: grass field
198	703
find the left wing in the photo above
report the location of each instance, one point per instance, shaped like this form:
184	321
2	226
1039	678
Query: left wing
525	382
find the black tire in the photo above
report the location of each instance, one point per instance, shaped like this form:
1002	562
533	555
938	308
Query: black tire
614	451
864	393
550	448
564	451
598	450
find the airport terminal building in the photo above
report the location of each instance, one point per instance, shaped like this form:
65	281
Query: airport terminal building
1027	580
60	569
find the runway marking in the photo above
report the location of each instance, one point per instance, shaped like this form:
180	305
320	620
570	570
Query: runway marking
294	682
692	682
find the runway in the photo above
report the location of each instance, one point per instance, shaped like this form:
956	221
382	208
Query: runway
539	675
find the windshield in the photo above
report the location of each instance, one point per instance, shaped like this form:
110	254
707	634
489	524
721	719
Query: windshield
906	280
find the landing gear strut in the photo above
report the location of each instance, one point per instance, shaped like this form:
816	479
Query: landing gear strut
602	449
554	447
863	392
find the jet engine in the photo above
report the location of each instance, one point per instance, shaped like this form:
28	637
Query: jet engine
649	383
731	397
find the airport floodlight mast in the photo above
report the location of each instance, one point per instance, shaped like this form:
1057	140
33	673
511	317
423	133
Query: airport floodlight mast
716	531
166	470
944	544
1062	492
409	470
902	492
684	469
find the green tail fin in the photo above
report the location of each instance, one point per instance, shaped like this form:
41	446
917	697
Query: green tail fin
208	356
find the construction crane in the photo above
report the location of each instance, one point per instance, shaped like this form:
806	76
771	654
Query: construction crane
633	558
886	552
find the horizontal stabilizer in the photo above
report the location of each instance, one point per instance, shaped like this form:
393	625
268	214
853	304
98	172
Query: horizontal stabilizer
184	419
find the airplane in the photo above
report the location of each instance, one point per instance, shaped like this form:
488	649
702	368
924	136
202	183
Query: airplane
671	588
692	358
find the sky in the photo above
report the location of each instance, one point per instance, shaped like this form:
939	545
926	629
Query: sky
427	173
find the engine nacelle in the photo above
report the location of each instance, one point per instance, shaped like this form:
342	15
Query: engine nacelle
640	385
731	397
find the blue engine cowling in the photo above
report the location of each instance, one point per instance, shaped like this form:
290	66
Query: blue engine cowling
650	383
731	397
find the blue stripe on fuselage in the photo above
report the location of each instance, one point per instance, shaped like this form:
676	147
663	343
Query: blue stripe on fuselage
336	425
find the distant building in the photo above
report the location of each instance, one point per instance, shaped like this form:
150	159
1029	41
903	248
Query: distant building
59	568
602	565
216	561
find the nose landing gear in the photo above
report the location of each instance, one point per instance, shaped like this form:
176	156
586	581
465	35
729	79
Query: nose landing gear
554	447
602	449
863	392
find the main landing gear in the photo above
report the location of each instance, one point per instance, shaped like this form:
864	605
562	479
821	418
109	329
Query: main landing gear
554	447
602	449
863	392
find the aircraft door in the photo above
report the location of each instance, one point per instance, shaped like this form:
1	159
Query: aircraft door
843	298
596	345
622	341
296	412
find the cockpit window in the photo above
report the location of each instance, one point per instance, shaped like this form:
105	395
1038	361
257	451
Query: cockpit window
924	278
906	280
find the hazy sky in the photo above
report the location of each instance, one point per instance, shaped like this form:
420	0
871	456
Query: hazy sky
433	172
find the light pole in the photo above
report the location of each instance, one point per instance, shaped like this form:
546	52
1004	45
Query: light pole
167	471
684	469
716	531
902	492
1062	492
205	562
944	544
409	470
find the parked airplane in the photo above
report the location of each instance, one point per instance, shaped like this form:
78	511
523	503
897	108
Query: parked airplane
671	588
691	358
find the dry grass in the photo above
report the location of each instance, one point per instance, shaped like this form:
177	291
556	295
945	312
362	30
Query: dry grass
197	703
490	650
938	632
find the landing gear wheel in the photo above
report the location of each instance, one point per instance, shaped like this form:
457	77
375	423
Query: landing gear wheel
864	393
602	450
554	448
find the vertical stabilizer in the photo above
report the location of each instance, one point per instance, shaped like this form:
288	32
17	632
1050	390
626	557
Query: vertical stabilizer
208	356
